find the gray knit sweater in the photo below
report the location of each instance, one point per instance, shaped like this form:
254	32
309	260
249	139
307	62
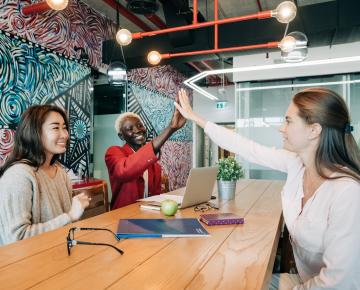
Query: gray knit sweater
31	202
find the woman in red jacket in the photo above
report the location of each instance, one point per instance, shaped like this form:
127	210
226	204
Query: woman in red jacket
133	168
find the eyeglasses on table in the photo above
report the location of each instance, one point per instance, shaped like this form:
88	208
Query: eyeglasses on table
205	207
71	242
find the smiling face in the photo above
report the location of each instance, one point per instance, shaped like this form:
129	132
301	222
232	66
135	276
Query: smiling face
54	135
133	132
297	135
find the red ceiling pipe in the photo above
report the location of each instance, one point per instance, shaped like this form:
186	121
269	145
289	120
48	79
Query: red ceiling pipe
195	11
35	8
258	15
154	19
273	44
126	13
159	23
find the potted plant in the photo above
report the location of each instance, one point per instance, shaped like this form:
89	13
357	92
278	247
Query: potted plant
229	172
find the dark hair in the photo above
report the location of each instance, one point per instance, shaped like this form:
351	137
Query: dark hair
28	147
337	149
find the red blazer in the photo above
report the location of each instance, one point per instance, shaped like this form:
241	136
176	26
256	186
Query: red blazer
126	168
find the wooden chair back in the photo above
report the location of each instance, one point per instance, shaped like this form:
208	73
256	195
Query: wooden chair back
99	199
164	183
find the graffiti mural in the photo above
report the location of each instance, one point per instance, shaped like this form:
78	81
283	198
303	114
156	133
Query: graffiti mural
176	162
30	75
163	79
77	102
159	110
151	95
42	73
62	31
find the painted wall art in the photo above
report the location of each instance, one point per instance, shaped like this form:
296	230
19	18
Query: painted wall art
77	26
30	75
38	67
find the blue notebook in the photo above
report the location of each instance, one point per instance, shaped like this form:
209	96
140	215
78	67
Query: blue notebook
160	228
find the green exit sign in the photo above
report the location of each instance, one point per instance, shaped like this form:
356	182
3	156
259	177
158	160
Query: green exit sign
220	105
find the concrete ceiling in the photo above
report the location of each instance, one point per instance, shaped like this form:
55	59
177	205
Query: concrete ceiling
325	22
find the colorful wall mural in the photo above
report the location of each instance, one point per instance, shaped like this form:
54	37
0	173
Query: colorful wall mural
42	73
76	26
77	101
151	95
29	75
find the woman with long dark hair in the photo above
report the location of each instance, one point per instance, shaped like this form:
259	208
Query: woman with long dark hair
321	196
35	192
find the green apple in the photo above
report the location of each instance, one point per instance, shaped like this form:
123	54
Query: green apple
169	207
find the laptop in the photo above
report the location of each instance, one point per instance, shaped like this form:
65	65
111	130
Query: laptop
199	187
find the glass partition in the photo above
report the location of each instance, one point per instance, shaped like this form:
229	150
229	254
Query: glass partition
261	106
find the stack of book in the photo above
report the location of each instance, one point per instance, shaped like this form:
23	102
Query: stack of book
221	219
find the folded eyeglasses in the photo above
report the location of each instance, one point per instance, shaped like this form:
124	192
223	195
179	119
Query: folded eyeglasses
205	207
71	242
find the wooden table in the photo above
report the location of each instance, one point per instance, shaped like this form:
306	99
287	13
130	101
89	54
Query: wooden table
234	257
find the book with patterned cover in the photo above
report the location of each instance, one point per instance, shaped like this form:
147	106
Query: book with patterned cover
221	219
160	228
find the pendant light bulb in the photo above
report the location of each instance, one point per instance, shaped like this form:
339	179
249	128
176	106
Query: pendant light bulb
57	4
154	57
285	12
287	44
291	53
123	37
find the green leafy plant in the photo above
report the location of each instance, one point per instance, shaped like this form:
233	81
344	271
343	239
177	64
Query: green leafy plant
229	169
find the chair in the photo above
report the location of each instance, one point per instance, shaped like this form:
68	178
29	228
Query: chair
99	199
287	264
164	184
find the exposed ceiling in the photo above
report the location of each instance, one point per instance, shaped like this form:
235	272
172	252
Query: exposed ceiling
325	22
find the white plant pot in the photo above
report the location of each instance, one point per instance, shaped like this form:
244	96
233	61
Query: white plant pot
226	189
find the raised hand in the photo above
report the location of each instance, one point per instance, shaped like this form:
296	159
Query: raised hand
177	120
184	107
182	104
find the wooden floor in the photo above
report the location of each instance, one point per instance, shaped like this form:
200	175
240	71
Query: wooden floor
234	257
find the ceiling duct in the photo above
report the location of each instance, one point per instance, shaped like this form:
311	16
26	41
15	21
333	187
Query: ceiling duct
321	31
142	6
176	14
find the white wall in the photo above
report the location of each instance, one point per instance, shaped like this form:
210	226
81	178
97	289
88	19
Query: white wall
207	108
104	137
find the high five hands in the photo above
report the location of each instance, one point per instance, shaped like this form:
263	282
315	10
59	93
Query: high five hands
182	105
177	120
